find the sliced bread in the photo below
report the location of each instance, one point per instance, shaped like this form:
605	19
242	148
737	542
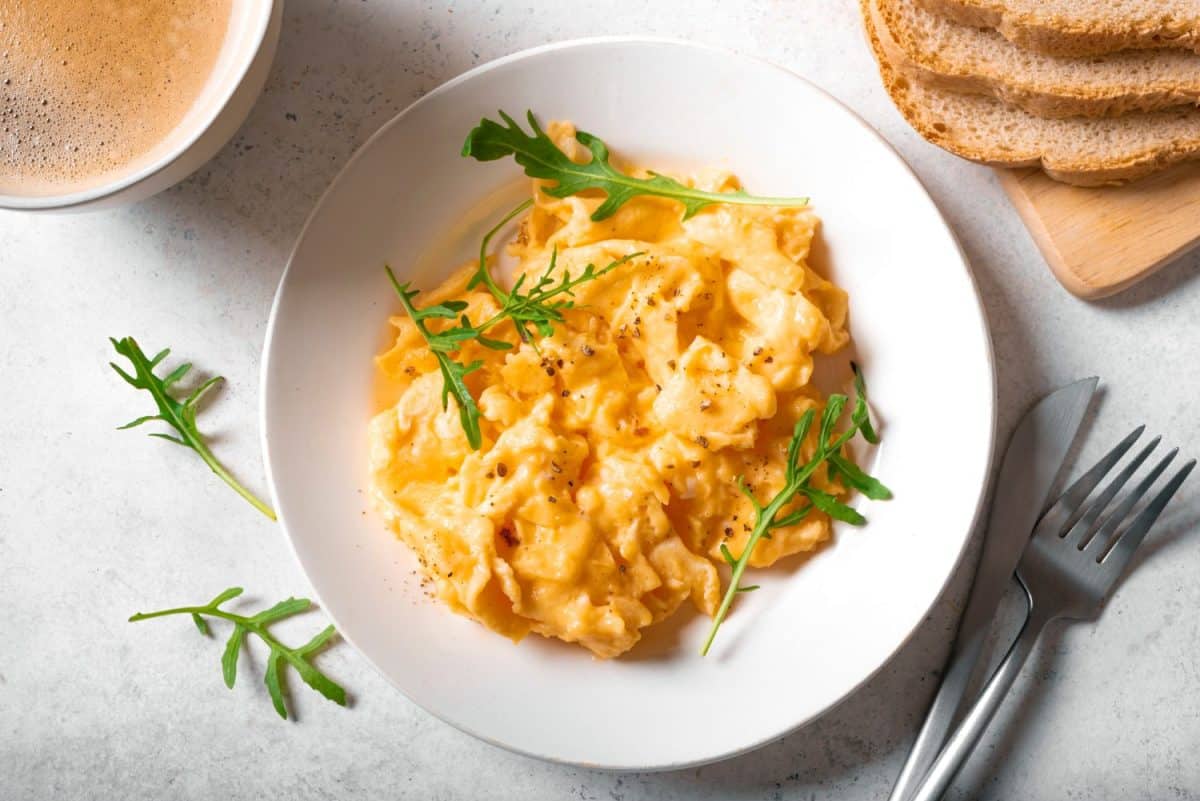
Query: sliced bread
1082	27
1078	150
949	55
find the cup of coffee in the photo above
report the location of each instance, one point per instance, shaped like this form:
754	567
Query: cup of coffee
105	102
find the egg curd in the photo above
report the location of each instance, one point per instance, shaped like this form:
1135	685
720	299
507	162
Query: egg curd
607	479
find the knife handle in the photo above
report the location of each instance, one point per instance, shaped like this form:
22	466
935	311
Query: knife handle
963	741
949	699
960	673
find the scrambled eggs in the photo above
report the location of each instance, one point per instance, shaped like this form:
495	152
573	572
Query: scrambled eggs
607	479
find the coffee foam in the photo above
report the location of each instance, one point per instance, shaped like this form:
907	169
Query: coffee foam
88	87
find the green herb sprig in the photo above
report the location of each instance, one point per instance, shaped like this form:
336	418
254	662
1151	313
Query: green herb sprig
538	308
796	487
179	415
298	658
542	159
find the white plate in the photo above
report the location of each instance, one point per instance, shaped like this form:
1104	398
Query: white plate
814	632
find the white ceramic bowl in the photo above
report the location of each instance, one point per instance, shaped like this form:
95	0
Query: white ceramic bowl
813	632
224	102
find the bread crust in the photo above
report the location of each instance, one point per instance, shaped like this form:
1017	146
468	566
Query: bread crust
1007	152
1060	35
1054	100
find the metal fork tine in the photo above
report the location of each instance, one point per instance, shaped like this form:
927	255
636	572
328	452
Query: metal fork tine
1084	524
1118	556
1062	511
1104	538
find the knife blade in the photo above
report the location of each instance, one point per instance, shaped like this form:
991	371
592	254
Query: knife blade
1035	456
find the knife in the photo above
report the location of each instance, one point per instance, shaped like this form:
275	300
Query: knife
1031	467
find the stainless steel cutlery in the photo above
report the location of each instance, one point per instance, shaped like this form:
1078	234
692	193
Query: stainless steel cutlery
1079	549
1031	466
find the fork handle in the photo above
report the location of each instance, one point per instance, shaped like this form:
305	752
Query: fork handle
964	738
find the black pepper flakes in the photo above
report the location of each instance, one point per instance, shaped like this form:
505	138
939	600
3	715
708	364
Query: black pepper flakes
728	531
502	469
565	393
769	359
702	441
554	466
671	363
552	499
587	350
705	405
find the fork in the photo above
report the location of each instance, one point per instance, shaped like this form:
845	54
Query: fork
1072	561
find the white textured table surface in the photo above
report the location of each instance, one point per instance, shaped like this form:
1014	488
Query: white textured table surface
96	524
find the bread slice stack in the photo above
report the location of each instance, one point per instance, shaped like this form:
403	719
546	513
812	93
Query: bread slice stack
1094	93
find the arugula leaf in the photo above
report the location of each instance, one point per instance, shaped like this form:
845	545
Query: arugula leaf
280	655
831	506
796	486
542	159
862	414
482	273
539	308
853	476
535	307
179	415
442	344
230	657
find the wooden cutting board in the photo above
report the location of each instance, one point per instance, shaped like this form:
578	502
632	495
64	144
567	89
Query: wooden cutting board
1100	241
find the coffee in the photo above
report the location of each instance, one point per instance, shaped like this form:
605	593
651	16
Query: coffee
89	87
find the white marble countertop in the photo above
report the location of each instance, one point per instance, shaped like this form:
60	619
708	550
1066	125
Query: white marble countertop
96	524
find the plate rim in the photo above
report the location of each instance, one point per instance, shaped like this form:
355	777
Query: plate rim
983	492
